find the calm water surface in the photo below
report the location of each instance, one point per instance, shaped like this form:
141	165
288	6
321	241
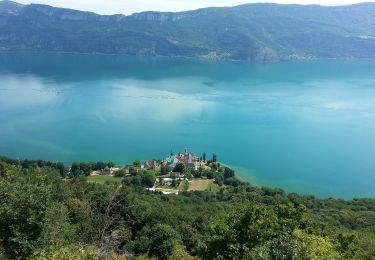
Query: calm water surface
307	127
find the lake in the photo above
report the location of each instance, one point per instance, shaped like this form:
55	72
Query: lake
304	126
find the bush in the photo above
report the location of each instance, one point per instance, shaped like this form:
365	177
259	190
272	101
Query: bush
232	182
120	173
163	239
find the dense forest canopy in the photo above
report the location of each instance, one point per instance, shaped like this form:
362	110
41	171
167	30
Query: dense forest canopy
46	213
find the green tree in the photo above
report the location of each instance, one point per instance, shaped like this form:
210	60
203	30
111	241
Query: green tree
179	253
180	167
163	240
111	164
85	168
188	175
136	180
228	173
285	246
99	166
317	247
4	167
120	173
148	178
25	206
76	252
75	169
232	182
209	174
57	230
163	170
219	179
137	163
60	166
245	228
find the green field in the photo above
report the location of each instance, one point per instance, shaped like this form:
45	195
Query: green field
103	179
213	187
200	184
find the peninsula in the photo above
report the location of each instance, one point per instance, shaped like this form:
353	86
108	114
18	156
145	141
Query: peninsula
48	211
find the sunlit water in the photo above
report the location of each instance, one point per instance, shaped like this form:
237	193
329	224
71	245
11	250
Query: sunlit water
307	127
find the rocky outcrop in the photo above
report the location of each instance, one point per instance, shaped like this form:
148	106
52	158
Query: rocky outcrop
168	16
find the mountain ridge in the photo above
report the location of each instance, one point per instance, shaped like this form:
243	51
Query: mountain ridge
262	31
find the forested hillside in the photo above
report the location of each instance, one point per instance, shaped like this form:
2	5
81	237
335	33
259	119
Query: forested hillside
248	32
46	214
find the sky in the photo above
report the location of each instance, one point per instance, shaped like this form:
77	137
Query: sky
133	6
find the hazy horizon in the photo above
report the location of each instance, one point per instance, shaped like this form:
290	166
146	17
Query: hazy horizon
133	6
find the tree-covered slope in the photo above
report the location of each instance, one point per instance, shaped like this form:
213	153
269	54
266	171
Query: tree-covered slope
45	214
247	32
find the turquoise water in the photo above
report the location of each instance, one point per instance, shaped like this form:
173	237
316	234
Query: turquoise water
304	126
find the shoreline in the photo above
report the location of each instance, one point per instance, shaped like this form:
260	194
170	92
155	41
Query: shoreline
289	58
244	175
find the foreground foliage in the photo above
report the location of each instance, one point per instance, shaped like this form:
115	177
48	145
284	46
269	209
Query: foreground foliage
46	216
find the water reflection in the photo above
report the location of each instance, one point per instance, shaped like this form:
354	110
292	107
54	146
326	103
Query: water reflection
25	91
307	127
126	100
130	102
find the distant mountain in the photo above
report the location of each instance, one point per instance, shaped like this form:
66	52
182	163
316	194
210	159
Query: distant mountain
246	32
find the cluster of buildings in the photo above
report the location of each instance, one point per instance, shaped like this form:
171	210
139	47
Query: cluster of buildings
165	166
188	159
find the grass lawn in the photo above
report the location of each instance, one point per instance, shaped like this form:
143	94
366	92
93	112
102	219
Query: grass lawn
200	185
184	185
102	179
213	187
